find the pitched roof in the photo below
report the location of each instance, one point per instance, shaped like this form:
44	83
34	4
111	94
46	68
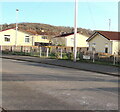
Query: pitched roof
25	31
65	34
6	29
28	32
110	35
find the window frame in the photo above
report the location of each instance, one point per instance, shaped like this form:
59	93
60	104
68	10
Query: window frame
44	37
106	49
8	37
27	37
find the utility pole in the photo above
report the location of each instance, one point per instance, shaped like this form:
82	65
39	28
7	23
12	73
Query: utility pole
75	29
1	44
16	26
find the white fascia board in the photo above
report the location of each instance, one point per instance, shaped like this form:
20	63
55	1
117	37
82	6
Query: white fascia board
103	37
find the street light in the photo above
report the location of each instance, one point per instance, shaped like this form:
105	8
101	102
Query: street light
75	29
16	26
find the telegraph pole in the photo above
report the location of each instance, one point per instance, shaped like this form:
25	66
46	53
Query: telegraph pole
0	35
75	29
16	26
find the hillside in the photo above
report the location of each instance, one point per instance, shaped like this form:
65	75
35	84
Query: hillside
38	28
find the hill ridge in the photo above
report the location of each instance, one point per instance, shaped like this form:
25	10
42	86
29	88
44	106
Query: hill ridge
47	29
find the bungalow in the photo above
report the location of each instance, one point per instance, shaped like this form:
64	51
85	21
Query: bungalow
67	40
41	40
8	38
104	42
24	38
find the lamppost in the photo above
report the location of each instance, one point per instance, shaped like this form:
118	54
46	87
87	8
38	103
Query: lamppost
16	26
75	29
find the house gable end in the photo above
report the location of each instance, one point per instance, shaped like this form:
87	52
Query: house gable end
95	34
103	36
92	36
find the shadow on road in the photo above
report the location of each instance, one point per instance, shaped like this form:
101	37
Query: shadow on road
107	89
51	77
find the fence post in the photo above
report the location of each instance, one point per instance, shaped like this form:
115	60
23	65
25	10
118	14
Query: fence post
14	48
93	56
114	59
31	51
40	52
1	48
61	53
47	52
11	49
21	48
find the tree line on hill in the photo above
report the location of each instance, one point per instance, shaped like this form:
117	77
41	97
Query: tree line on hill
46	29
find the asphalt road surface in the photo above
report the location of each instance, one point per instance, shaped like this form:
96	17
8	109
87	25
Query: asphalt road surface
34	86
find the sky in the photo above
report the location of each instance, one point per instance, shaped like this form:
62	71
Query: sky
92	15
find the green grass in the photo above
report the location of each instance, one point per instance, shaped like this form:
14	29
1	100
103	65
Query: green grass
17	53
100	62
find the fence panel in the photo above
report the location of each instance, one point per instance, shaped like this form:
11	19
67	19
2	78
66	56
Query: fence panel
61	52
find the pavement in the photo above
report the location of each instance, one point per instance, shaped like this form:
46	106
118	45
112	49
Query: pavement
104	69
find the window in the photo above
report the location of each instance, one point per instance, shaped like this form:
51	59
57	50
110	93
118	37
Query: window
44	37
93	44
106	44
7	38
106	50
27	39
93	48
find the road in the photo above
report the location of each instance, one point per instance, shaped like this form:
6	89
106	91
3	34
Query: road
34	86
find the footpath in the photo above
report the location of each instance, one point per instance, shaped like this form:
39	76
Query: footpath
104	69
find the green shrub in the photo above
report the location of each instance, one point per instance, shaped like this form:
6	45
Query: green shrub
70	56
57	55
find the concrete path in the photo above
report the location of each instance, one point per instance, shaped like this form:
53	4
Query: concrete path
109	70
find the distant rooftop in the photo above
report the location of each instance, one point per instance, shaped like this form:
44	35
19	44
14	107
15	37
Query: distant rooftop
66	34
25	31
110	35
